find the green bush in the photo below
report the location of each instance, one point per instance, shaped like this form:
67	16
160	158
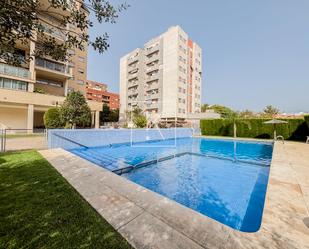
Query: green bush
307	120
140	121
52	118
296	129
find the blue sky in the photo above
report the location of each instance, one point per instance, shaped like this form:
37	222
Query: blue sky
255	52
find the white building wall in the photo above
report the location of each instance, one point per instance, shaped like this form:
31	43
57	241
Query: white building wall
123	87
197	78
170	73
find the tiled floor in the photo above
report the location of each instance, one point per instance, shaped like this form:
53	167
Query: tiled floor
149	220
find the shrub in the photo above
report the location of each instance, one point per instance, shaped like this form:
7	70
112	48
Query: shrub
306	117
296	129
140	121
52	118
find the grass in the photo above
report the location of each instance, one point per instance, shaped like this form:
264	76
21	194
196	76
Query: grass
39	209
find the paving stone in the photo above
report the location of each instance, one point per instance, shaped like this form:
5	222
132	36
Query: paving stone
146	231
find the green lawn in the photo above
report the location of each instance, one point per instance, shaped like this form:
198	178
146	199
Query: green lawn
39	209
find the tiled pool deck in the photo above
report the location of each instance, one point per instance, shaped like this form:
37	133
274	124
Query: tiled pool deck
149	220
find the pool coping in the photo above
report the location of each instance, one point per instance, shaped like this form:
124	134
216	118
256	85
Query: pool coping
149	220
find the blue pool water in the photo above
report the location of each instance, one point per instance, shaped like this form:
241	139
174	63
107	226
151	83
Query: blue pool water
222	179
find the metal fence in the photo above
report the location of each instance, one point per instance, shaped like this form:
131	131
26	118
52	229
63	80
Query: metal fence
22	139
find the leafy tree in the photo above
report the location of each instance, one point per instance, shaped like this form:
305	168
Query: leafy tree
140	121
108	115
205	107
246	114
105	114
75	111
224	111
52	118
21	21
271	111
114	115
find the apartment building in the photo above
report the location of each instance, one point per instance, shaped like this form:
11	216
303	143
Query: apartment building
163	78
98	92
26	92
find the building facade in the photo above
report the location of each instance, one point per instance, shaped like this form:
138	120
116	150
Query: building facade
163	78
27	91
97	91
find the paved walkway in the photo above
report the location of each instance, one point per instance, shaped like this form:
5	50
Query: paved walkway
26	143
149	220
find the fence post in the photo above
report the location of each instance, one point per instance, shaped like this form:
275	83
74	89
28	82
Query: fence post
4	140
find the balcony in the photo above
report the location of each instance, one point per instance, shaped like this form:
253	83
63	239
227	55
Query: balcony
153	57
132	60
132	76
153	105
154	67
132	83
152	96
153	49
18	72
132	91
55	32
152	77
153	86
52	69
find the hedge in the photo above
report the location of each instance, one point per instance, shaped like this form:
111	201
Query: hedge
307	119
296	129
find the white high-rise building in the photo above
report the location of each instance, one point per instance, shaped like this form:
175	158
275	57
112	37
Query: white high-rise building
163	78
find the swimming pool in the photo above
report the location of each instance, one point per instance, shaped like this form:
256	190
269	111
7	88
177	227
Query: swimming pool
223	179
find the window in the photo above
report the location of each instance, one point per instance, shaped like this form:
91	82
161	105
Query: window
80	82
81	59
71	52
179	89
13	84
49	82
80	70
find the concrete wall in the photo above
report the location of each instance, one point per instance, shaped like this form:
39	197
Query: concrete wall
15	118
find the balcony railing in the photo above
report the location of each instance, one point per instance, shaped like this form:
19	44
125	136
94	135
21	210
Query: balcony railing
152	77
150	50
152	96
14	71
132	76
51	65
54	31
152	57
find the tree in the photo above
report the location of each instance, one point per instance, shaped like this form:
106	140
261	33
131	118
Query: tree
52	118
233	116
75	111
140	121
205	107
246	114
21	21
114	115
105	114
224	111
271	111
